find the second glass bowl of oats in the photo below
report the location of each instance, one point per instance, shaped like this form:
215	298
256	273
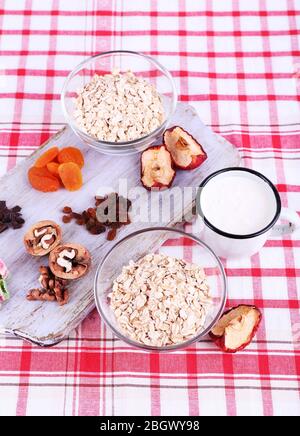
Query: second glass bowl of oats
119	102
155	300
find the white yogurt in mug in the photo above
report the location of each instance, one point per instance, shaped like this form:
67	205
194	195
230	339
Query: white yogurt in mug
239	209
238	202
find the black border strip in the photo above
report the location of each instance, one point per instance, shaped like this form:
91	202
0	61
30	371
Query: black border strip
230	235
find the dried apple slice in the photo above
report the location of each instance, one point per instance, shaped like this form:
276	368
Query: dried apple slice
157	169
186	152
236	328
69	261
42	238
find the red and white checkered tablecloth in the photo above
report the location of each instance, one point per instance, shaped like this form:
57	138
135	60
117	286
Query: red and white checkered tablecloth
238	63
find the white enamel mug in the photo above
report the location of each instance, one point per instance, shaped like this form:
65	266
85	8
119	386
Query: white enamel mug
237	246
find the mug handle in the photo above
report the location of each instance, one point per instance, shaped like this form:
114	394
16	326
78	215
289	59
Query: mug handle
292	227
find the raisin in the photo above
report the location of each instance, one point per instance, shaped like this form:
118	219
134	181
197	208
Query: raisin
97	229
117	206
3	227
100	228
16	209
80	221
76	216
6	218
67	219
115	225
90	224
85	216
16	225
19	220
91	212
10	217
93	230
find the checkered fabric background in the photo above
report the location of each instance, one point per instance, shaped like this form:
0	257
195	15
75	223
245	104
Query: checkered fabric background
238	63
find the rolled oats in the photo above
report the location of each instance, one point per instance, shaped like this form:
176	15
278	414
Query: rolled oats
118	107
160	300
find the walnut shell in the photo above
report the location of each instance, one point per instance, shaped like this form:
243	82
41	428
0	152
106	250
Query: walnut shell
42	238
186	152
69	261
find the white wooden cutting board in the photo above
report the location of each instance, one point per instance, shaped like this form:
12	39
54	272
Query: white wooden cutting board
46	323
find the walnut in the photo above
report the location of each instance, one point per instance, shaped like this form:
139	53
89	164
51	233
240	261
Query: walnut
52	288
69	261
42	238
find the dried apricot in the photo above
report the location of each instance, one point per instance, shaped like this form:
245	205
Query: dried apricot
46	157
52	167
71	154
71	176
42	180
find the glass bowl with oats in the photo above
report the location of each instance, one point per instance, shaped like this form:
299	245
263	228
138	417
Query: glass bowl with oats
160	289
119	102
